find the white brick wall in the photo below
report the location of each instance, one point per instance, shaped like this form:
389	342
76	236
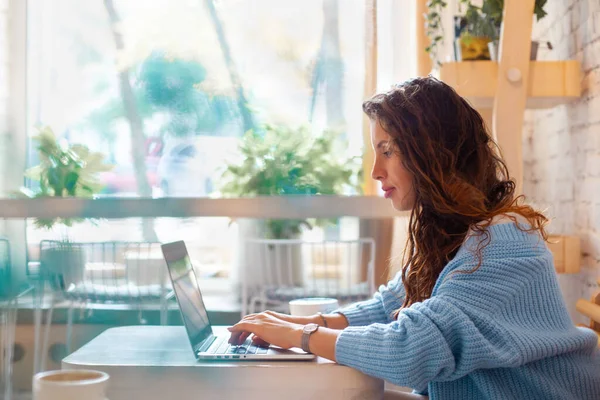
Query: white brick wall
562	145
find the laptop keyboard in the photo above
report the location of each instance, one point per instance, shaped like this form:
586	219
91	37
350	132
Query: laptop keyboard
223	347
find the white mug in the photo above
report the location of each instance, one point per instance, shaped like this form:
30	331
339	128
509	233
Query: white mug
70	385
312	305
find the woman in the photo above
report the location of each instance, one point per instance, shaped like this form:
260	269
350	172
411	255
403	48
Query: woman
476	312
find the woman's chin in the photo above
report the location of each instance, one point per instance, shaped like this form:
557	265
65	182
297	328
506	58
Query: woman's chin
400	206
397	206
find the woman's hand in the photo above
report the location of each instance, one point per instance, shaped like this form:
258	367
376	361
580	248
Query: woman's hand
269	328
285	331
296	319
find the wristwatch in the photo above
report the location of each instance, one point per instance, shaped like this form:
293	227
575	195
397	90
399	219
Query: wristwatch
308	330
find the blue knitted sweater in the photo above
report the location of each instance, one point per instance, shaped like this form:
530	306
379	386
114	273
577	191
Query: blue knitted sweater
501	332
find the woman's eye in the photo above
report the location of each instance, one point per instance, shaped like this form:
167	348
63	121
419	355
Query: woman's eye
387	153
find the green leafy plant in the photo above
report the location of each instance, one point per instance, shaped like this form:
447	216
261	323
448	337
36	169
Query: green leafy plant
64	171
480	24
434	27
483	21
289	161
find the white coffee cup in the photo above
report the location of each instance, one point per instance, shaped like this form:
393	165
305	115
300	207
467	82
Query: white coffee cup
70	385
312	305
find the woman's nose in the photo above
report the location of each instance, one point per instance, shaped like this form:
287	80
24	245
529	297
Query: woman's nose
377	172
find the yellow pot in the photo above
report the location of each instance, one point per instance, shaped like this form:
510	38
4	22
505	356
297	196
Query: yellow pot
473	48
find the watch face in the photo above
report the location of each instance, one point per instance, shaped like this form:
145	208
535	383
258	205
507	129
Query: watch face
310	328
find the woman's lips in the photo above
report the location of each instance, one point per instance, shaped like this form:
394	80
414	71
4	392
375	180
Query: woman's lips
388	192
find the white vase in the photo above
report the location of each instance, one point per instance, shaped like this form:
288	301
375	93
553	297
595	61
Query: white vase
64	266
251	261
70	385
247	229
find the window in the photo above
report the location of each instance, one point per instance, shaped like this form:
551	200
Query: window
175	84
200	74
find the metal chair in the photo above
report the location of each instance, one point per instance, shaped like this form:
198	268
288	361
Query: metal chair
84	274
277	271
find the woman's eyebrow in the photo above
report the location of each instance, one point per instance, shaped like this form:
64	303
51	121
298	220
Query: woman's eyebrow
382	143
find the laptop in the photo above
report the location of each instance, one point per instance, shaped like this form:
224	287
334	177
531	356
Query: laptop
206	345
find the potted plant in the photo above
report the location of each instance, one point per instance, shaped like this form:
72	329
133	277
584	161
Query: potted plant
477	29
492	12
63	171
477	32
288	161
285	161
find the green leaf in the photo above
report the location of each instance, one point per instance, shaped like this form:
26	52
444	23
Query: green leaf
64	170
289	161
71	182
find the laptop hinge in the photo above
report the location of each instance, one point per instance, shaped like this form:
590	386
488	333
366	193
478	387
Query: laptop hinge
202	347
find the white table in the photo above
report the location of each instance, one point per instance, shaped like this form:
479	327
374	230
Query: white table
157	362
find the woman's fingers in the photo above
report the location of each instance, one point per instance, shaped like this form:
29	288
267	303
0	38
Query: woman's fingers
267	327
260	342
234	338
240	332
242	338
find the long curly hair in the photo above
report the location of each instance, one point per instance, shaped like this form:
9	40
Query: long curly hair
458	176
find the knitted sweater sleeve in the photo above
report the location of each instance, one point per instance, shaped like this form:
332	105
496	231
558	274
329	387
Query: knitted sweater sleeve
489	318
378	309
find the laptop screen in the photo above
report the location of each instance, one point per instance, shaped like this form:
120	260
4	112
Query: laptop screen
187	291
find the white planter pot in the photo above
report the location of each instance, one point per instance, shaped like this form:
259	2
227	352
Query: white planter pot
146	269
64	266
280	261
70	385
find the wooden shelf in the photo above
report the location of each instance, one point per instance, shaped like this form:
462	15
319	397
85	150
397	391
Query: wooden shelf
551	83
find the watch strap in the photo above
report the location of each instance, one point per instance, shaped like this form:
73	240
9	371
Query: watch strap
306	337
